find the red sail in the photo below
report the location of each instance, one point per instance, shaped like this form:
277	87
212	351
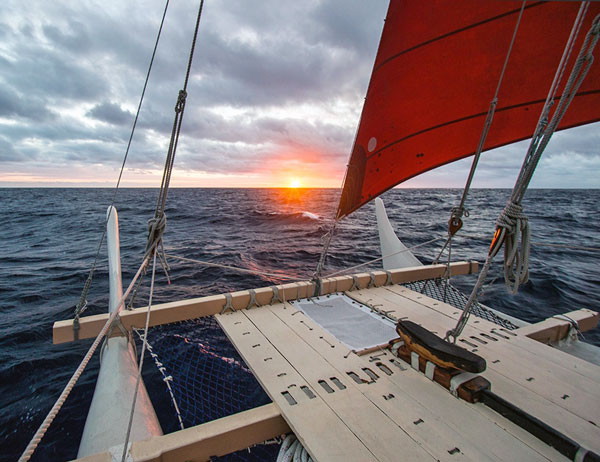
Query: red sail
436	72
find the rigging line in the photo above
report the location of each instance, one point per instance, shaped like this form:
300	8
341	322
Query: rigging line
157	224
326	243
82	305
41	431
545	130
385	256
512	224
141	363
234	268
457	212
179	110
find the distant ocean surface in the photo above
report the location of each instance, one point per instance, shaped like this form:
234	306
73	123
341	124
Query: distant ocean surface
48	240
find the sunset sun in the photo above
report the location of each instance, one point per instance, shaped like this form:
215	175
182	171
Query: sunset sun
295	184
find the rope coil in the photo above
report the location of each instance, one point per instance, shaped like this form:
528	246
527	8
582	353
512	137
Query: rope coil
515	228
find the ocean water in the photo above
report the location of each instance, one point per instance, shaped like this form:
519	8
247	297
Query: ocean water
49	237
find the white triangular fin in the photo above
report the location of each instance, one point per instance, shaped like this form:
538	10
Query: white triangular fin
399	255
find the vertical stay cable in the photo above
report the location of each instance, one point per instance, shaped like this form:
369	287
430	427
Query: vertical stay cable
157	224
455	222
179	110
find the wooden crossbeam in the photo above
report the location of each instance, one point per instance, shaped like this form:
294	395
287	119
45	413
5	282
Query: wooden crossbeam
557	328
216	438
207	306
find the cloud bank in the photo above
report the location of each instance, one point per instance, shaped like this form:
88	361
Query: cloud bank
275	93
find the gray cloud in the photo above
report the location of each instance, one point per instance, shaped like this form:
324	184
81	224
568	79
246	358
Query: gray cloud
110	113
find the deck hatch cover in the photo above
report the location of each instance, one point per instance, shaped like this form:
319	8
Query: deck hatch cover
352	323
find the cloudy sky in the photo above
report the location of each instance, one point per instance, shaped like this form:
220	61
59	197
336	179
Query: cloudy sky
275	96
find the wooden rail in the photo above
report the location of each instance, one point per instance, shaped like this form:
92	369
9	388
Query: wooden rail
206	306
557	328
216	438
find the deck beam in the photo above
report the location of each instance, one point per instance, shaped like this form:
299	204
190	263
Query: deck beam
216	438
166	313
557	327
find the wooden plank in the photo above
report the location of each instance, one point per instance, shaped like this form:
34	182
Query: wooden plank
217	438
450	422
555	329
367	421
505	355
563	364
507	371
324	435
165	313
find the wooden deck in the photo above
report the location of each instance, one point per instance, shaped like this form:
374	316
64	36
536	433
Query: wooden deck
375	407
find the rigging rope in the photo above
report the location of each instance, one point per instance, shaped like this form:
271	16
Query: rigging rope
157	224
156	230
512	225
82	304
383	257
234	268
455	222
326	241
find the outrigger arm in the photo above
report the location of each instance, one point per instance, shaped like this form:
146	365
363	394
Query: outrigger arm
108	417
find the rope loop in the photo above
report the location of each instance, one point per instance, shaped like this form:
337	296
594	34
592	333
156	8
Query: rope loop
517	238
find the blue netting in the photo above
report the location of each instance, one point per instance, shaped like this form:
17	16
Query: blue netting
448	294
206	377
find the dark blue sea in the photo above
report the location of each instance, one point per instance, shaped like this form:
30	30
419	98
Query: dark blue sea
48	240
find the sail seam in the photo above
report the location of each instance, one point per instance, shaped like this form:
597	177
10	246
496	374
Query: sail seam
454	32
474	116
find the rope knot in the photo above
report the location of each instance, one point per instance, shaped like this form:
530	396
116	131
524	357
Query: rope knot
510	216
180	101
156	229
